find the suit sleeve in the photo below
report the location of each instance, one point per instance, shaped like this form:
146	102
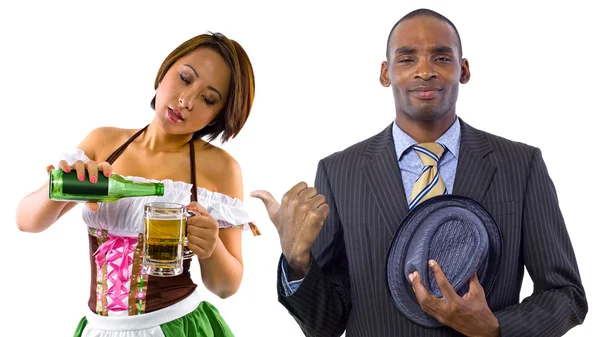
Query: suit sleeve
321	304
558	302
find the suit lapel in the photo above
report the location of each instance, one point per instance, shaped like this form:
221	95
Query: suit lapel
474	172
385	181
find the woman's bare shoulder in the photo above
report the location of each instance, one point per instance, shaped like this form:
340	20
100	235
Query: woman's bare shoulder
103	140
224	170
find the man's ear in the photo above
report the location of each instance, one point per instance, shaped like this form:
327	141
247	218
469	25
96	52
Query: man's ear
384	77
465	72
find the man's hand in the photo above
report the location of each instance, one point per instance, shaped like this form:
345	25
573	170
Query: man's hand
298	220
469	314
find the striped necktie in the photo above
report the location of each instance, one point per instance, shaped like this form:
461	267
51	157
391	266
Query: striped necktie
430	182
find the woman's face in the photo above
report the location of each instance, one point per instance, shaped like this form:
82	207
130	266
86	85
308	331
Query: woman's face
192	92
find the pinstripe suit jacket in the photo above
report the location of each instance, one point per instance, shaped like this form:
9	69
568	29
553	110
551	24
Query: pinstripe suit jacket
346	289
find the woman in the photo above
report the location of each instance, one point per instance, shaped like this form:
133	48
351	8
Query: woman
204	88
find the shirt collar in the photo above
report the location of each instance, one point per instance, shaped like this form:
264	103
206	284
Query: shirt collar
450	139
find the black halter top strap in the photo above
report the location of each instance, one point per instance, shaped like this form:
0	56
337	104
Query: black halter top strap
111	159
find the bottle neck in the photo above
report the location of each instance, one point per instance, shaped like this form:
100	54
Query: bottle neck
128	188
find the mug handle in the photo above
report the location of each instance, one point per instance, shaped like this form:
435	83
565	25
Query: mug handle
187	253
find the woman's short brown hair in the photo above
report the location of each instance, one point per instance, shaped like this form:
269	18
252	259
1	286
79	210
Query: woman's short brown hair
234	114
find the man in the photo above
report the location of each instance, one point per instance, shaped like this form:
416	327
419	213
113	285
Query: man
335	237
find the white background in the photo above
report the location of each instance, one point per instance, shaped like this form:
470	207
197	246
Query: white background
70	67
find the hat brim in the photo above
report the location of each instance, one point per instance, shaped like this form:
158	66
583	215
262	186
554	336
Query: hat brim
400	288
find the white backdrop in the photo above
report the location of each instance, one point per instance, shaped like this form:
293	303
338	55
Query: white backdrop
68	67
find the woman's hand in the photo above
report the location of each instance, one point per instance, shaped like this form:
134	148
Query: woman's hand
92	168
202	231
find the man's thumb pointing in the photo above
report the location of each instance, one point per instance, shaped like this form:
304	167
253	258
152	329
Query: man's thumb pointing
270	202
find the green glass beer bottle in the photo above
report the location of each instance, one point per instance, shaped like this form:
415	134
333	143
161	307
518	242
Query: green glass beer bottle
65	186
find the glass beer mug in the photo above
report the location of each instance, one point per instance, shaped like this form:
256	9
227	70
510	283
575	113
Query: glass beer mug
164	236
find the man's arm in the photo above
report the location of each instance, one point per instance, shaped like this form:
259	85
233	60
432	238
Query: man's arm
321	303
558	302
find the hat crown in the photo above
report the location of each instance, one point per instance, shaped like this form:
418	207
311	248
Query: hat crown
456	239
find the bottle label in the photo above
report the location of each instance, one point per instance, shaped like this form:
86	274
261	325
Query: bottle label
72	185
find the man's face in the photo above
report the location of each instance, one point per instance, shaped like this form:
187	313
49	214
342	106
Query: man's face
424	68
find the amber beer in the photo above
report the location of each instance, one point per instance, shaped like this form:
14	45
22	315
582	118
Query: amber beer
163	242
164	228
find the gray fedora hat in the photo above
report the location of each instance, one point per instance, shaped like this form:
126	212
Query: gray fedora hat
455	231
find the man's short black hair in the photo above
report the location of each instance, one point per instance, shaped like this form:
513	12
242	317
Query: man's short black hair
429	13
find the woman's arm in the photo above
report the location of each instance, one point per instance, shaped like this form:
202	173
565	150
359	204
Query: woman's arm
36	212
222	271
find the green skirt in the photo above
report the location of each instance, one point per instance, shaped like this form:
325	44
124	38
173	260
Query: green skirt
204	321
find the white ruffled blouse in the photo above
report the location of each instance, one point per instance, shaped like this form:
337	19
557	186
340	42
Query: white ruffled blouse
125	217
